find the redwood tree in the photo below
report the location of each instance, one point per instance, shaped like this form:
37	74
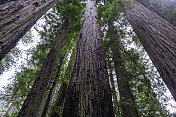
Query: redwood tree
89	91
126	97
32	103
159	40
52	89
57	109
16	18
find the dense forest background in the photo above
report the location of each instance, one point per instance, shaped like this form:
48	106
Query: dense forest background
137	86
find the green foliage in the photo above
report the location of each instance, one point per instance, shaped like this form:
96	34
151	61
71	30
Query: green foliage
3	110
141	86
112	10
20	86
6	63
27	38
70	9
164	8
145	84
135	69
58	110
11	58
63	10
22	81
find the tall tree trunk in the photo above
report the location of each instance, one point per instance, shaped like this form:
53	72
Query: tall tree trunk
116	106
16	18
53	88
60	99
32	103
89	91
159	40
126	96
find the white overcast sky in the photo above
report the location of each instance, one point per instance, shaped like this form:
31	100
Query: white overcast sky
4	78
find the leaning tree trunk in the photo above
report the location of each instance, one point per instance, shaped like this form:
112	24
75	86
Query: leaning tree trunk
32	103
16	18
159	40
89	91
126	97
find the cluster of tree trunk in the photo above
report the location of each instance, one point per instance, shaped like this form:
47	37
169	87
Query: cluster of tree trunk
88	93
32	106
56	110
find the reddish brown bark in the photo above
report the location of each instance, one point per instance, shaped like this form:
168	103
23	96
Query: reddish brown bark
89	91
159	40
164	8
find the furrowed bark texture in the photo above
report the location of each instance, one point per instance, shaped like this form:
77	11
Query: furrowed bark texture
126	96
52	90
32	103
16	18
159	40
89	91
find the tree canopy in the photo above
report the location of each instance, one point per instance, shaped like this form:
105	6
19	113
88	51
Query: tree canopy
141	77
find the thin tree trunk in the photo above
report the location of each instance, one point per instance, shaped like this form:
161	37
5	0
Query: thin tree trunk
16	18
32	103
56	112
60	99
114	93
52	90
159	40
126	97
89	91
12	107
